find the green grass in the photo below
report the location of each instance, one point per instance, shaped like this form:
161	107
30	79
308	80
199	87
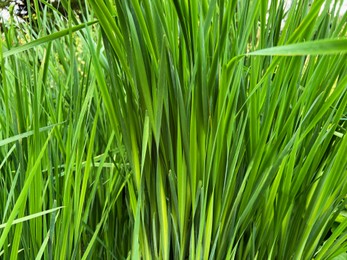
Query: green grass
175	130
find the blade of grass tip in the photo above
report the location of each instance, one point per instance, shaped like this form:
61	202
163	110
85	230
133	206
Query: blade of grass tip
46	39
26	134
319	47
24	192
144	141
32	216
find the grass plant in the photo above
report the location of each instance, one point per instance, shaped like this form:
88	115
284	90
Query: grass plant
201	129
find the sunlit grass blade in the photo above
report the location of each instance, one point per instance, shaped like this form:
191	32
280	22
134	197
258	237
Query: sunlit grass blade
45	39
318	47
32	216
25	135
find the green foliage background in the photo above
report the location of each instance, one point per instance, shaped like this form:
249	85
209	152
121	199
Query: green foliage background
175	130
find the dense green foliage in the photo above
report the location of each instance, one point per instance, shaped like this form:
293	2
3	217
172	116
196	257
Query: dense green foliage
175	130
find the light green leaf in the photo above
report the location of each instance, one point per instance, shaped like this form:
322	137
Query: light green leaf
319	47
46	39
25	135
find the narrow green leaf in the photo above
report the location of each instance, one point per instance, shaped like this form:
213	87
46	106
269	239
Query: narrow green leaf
46	39
32	216
319	47
25	135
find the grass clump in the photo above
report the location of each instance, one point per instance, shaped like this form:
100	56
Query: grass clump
173	130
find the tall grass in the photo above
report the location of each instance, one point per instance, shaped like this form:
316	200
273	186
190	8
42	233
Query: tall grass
175	130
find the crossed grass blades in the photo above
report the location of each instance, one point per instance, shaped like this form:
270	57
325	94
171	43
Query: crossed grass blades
175	130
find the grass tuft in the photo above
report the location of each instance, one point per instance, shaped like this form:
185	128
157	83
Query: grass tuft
174	130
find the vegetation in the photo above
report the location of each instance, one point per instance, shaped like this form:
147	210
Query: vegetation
175	130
